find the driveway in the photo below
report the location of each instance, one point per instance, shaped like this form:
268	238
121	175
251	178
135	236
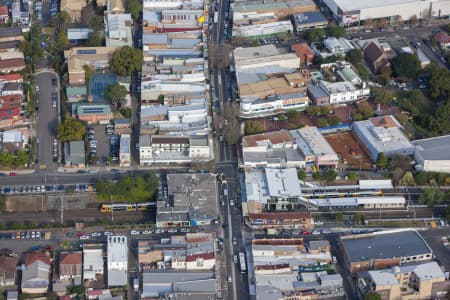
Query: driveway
47	119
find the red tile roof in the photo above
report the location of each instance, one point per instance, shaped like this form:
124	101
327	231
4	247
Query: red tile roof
11	77
71	258
3	10
12	63
194	257
10	101
442	37
6	114
302	50
35	256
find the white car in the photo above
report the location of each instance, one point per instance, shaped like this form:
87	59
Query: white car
134	232
172	230
147	232
96	234
157	231
107	233
84	237
315	232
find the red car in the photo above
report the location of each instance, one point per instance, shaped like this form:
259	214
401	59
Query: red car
12	174
304	233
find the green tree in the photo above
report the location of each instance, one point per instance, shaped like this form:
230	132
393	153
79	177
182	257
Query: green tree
301	174
6	159
364	109
125	112
71	130
317	175
372	296
96	23
60	21
339	217
292	113
431	196
64	245
126	60
116	94
352	176
253	127
88	72
22	157
439	82
382	161
334	120
322	122
336	31
359	218
282	117
421	178
63	42
329	175
134	7
313	110
315	35
405	65
95	39
354	56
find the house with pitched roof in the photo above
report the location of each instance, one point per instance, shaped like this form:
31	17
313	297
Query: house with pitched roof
4	16
70	265
443	39
7	270
73	8
375	56
35	273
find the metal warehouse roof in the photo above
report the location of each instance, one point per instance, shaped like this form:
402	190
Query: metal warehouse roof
436	148
384	245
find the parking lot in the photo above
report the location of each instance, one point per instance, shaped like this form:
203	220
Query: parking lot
47	118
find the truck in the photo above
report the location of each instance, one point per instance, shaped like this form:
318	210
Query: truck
216	17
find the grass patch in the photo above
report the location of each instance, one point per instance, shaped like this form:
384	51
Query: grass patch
363	73
128	189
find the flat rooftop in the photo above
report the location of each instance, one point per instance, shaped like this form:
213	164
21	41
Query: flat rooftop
384	245
271	138
283	182
383	133
349	5
311	140
196	191
436	148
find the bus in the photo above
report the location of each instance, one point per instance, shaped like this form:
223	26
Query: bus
242	262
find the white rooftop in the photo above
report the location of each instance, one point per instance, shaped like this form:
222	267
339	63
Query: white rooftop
350	5
283	183
316	142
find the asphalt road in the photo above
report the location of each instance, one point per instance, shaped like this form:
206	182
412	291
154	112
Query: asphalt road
47	118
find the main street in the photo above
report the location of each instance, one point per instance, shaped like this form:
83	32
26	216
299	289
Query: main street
226	165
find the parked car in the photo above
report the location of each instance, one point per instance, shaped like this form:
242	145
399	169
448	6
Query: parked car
134	232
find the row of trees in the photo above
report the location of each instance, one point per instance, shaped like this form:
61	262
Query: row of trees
20	158
316	34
